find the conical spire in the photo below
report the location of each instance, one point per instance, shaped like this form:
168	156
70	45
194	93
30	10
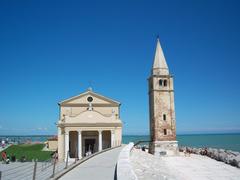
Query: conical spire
160	66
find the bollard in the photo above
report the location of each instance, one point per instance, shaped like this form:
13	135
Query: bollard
54	165
34	169
0	175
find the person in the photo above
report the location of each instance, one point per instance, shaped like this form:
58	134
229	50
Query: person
23	159
5	157
13	158
55	155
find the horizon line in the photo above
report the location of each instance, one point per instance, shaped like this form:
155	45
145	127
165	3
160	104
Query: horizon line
213	133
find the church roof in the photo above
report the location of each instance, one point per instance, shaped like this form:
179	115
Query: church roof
89	92
160	66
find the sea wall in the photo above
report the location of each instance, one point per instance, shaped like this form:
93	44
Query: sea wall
227	156
124	167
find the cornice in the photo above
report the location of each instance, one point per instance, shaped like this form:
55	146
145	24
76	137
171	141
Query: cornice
86	105
117	124
160	91
160	76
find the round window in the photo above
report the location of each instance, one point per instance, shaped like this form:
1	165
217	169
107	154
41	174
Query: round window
89	99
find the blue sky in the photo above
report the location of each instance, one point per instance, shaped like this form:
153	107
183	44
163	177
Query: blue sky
52	50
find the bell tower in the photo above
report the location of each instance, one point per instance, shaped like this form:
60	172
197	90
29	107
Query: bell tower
161	107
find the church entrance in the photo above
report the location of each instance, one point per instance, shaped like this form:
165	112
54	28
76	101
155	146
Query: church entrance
90	142
89	146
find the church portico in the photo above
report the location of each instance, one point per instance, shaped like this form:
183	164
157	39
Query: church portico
80	143
90	130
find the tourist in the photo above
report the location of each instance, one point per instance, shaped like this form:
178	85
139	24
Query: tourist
5	157
13	158
23	159
55	155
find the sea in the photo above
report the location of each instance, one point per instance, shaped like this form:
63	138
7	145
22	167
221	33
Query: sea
220	141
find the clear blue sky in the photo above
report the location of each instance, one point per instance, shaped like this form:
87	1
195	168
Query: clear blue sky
52	50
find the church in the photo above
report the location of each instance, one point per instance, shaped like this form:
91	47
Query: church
88	123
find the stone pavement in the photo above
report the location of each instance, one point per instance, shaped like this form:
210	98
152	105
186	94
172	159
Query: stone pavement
99	167
202	167
194	167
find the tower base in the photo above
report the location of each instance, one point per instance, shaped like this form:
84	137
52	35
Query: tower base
164	148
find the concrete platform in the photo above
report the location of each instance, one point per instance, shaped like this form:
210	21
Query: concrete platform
193	167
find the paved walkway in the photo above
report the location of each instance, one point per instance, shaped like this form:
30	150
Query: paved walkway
100	167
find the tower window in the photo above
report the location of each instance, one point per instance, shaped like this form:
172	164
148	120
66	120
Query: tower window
164	117
165	82
165	131
160	82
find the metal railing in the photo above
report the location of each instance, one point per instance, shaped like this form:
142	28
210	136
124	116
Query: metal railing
37	170
31	170
139	142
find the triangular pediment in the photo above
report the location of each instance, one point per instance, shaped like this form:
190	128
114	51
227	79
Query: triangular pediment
81	99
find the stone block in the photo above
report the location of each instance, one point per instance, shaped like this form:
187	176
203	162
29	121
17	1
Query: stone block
165	148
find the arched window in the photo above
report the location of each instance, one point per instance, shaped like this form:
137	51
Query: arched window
160	82
165	131
165	82
164	117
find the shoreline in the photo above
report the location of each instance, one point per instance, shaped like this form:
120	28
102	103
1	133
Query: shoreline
180	134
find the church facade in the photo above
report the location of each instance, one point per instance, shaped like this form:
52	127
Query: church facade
88	123
161	107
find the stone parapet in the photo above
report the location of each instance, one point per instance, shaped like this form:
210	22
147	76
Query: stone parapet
124	167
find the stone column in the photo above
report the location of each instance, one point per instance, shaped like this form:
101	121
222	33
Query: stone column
112	138
79	144
66	144
99	140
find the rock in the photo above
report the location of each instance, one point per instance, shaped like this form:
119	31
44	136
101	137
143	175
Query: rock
222	156
221	150
214	154
230	158
194	150
234	162
238	160
210	152
227	156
